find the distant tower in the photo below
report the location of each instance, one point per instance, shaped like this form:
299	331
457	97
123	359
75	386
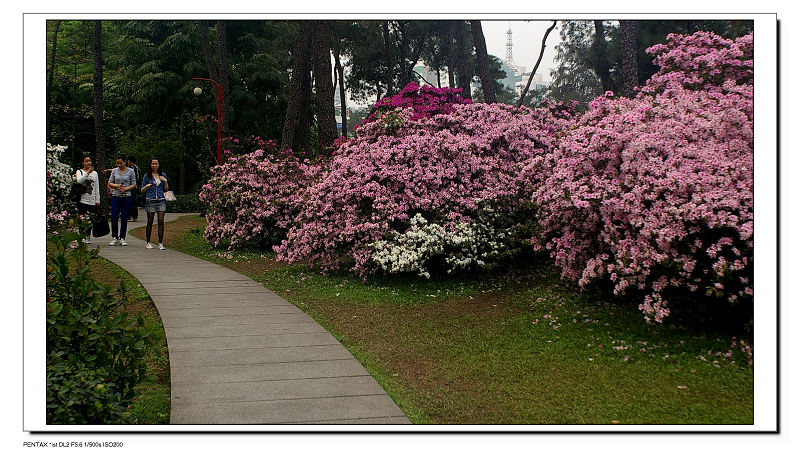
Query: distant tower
509	44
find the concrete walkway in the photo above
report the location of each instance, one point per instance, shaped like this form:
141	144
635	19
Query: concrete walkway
240	354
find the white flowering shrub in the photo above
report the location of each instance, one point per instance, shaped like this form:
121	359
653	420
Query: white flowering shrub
59	182
464	246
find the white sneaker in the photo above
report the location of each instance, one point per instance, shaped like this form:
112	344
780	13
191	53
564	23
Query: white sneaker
161	247
123	242
87	241
113	242
149	246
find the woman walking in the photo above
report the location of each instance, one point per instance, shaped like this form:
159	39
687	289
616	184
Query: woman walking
121	182
90	199
154	184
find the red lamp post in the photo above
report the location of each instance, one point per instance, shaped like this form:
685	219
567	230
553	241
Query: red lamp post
220	98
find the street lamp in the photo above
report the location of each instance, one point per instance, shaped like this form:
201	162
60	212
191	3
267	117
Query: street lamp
220	97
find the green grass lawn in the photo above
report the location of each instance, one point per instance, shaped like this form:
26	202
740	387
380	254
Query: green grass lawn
517	348
151	406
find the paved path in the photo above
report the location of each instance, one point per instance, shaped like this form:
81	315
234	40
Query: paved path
240	354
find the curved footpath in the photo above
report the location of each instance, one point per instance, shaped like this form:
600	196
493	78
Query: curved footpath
240	354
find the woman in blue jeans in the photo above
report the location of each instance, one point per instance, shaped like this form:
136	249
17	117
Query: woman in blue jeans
154	185
122	180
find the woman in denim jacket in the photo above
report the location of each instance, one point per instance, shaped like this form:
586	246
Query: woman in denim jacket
154	185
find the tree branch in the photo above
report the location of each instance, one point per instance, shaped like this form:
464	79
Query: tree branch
536	67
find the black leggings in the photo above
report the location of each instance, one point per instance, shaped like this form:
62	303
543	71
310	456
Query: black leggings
150	217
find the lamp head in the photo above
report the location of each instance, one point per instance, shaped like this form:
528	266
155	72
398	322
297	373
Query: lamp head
197	91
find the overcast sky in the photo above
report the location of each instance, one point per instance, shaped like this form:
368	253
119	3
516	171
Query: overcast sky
527	39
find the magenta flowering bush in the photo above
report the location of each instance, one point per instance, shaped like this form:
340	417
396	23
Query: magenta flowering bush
458	167
254	197
425	101
655	194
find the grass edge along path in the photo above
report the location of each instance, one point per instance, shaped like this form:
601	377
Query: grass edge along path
151	406
515	350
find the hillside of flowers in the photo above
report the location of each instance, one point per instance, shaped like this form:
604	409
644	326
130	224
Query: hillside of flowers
650	197
457	172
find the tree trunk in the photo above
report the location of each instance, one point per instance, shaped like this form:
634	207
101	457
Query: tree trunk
303	131
409	71
326	114
49	120
451	55
99	125
387	48
484	70
222	70
463	73
536	67
628	63
210	65
74	110
300	67
601	66
181	153
339	70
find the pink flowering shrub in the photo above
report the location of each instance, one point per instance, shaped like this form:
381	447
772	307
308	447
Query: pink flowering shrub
425	101
655	195
254	197
702	61
458	167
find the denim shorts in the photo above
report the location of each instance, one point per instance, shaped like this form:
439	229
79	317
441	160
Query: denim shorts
155	205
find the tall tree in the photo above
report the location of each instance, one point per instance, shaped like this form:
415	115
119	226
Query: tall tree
326	115
484	69
573	78
303	129
222	70
299	83
339	70
452	52
435	53
207	56
628	58
600	57
99	125
463	67
218	67
50	73
387	49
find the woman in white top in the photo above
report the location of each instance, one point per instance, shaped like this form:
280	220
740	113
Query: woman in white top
90	199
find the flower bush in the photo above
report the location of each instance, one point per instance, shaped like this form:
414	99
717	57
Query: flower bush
425	101
655	194
447	168
255	196
702	61
59	182
467	245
